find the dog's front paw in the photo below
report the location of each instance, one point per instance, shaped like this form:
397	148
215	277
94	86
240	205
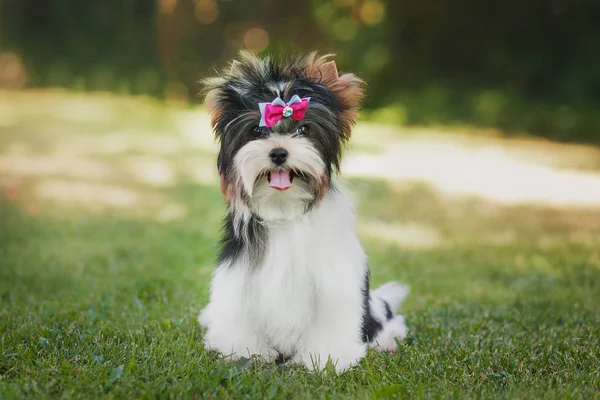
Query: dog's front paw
342	358
233	347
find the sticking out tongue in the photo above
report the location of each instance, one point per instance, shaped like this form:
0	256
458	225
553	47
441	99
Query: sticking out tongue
280	180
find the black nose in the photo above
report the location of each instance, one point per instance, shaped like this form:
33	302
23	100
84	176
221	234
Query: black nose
278	156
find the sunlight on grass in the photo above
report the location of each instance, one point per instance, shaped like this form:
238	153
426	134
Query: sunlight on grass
171	212
487	171
150	170
115	142
69	191
194	127
407	236
7	118
64	165
202	170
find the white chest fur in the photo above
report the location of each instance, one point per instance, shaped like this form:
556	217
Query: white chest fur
305	262
305	297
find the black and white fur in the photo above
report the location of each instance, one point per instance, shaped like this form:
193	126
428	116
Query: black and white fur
292	280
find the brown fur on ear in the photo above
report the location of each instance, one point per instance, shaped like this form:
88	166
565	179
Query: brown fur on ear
212	106
313	68
350	91
213	87
227	189
211	100
348	88
223	183
329	72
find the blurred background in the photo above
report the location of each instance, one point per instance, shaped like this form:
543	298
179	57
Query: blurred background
480	126
481	122
462	141
475	169
519	66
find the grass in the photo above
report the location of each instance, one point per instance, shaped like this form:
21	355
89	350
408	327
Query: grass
104	268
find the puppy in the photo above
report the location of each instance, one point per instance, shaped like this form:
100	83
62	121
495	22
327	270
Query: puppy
292	281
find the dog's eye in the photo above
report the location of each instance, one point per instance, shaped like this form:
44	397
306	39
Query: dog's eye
258	131
302	129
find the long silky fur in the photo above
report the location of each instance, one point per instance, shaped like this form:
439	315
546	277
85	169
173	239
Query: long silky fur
292	280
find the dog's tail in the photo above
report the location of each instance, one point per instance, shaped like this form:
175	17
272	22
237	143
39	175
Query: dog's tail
393	293
384	303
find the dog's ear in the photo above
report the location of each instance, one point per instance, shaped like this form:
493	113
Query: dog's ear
249	63
348	88
213	87
236	68
329	73
350	91
213	101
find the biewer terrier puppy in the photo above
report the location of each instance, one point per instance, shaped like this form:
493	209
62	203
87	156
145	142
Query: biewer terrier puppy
292	281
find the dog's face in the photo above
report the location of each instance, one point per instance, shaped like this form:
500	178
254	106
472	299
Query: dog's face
278	170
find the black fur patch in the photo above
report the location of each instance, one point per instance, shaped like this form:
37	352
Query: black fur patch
282	358
233	246
388	311
370	326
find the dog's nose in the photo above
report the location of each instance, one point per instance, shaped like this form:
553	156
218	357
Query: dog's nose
278	156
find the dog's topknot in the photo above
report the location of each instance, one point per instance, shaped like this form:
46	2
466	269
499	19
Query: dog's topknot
248	70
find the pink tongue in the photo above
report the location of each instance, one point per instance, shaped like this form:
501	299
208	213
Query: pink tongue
280	180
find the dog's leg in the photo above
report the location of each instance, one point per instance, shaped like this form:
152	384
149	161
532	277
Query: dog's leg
229	329
336	332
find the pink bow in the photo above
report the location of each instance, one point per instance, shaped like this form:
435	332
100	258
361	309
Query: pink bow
277	109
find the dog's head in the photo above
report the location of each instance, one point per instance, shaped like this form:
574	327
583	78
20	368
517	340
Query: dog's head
281	129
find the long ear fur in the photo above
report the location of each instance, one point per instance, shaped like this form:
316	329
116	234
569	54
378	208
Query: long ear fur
212	101
348	88
248	62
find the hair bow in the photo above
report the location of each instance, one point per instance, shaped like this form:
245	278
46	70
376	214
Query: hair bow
272	112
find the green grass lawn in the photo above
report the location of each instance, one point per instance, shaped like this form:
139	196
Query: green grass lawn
109	221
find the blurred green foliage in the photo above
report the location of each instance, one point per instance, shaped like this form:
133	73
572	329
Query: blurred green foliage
520	66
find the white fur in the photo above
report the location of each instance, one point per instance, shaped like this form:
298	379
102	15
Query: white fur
392	293
305	298
253	159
